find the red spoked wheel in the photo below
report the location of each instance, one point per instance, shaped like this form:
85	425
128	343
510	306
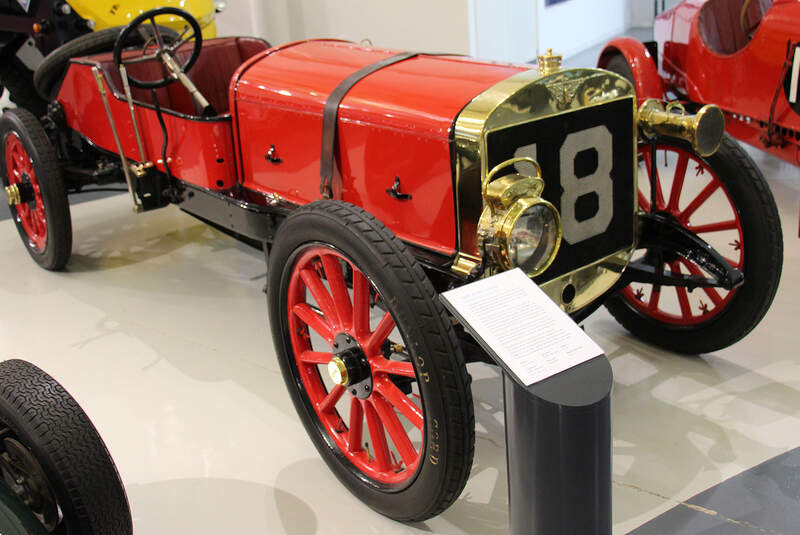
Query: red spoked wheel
371	360
353	347
35	189
724	200
20	173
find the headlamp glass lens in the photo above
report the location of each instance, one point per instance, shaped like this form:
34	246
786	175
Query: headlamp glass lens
533	238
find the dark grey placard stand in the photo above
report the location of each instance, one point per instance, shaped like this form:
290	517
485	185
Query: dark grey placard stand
558	448
558	451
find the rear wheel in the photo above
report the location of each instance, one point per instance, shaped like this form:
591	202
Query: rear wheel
371	361
725	200
35	189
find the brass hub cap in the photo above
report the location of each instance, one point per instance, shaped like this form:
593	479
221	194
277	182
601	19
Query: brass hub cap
337	369
12	192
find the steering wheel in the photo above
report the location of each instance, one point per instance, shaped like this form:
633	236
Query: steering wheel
748	30
159	46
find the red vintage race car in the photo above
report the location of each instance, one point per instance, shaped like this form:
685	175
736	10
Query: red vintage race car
742	55
375	180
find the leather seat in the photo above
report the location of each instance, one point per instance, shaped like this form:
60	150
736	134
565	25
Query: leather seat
720	25
212	74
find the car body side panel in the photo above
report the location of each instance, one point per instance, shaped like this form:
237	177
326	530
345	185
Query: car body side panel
201	150
396	122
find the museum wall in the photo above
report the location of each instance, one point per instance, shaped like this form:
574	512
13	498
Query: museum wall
243	17
412	24
574	25
502	29
506	30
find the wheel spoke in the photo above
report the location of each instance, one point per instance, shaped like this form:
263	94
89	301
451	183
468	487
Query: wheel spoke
655	296
181	40
380	334
396	431
644	204
378	438
677	182
329	403
321	295
400	402
341	298
361	289
315	357
314	321
716	227
356	425
141	59
157	33
698	201
392	367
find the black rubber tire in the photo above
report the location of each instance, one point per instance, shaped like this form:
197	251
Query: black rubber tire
763	261
409	295
43	416
58	246
48	75
18	79
618	64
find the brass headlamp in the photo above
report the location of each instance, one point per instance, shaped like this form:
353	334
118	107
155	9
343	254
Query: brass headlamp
517	227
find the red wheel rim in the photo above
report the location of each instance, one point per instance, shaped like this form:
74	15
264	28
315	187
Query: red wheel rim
689	190
31	215
320	306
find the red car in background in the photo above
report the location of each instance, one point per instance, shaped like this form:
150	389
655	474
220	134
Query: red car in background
742	55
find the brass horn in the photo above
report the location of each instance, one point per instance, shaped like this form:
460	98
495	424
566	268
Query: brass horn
703	130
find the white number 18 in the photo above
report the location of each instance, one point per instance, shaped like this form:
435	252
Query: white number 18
599	182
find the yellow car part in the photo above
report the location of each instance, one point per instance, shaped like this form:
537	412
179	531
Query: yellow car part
106	14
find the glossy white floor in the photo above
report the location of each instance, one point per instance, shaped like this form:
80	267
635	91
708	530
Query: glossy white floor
159	328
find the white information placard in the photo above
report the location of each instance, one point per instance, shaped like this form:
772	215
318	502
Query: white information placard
519	325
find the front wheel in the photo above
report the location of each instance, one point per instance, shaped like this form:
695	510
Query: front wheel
725	200
361	338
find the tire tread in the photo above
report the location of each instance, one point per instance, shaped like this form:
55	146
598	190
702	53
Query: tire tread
67	445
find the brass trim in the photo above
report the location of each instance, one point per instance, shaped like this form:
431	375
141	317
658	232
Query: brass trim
13	194
549	63
507	198
338	371
504	232
526	97
703	130
589	282
465	265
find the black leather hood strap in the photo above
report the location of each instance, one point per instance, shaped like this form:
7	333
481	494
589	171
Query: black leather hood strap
331	111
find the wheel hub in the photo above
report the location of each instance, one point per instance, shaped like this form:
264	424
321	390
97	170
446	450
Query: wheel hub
349	366
21	193
25	477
